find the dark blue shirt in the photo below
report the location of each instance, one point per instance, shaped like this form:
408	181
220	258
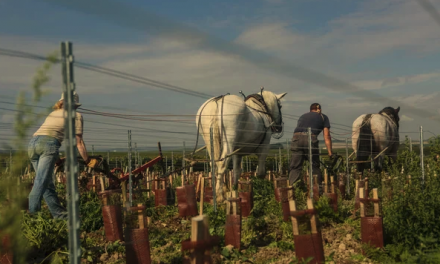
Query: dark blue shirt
314	120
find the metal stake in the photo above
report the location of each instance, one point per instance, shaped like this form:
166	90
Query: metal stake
311	162
280	168
10	162
135	156
371	146
347	168
71	159
183	160
93	150
422	156
130	182
172	161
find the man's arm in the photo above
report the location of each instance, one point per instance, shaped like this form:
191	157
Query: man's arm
328	140
82	148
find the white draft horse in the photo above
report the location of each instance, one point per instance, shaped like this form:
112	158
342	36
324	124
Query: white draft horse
240	128
376	133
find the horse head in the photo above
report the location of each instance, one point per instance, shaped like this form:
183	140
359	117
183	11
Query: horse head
392	113
274	108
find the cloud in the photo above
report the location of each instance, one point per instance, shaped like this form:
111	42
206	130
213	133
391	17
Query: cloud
376	84
7	118
375	29
405	118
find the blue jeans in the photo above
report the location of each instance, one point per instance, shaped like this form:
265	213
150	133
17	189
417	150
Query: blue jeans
43	152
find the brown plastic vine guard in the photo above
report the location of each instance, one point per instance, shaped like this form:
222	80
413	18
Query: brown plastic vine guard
186	200
279	183
372	231
6	256
163	197
371	226
307	245
137	245
112	216
333	200
247	199
342	190
201	245
233	223
208	195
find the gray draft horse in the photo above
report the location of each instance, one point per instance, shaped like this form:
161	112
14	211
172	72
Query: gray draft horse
376	134
240	128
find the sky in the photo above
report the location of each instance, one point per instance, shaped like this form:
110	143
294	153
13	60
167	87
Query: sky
353	57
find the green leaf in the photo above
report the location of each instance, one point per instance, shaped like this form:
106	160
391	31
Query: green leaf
226	253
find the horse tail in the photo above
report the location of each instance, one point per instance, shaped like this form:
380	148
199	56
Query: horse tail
216	138
364	143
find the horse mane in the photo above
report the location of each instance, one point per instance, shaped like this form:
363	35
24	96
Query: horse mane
391	112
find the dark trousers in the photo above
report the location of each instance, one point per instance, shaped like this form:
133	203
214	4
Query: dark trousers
300	152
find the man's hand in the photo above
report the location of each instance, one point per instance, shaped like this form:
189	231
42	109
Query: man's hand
60	161
92	163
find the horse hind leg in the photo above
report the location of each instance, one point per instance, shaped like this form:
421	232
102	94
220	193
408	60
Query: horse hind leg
220	187
236	160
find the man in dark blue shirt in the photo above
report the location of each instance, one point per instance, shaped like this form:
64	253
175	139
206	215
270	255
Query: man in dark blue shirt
299	146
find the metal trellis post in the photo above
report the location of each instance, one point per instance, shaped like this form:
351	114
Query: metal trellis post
287	155
183	160
71	160
371	147
135	156
10	162
347	168
93	150
172	161
211	134
130	180
311	162
422	156
280	168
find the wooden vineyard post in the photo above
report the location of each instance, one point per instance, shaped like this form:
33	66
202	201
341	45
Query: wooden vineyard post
332	195
286	196
307	245
315	187
137	245
233	220
371	226
200	243
202	193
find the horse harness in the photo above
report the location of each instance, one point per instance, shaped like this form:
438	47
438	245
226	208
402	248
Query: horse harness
260	99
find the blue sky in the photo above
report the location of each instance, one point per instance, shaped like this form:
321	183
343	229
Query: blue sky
390	48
